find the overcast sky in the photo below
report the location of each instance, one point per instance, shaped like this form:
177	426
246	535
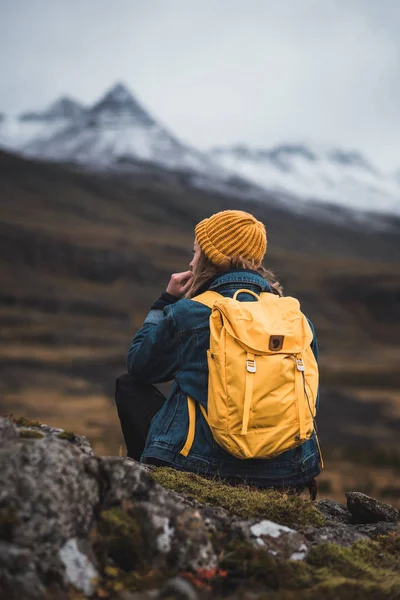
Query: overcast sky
218	72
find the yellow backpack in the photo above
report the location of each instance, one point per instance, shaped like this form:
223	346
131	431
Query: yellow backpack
263	376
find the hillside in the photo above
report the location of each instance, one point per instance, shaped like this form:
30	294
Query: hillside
84	254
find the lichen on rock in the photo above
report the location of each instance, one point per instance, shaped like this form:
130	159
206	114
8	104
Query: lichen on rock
79	570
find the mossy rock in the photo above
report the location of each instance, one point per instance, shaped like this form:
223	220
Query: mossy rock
30	434
247	503
368	569
24	422
122	538
70	436
119	538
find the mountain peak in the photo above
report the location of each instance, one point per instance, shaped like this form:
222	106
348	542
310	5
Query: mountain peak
118	103
63	108
119	93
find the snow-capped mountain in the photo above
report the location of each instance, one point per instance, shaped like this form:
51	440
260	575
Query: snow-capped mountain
119	103
118	132
314	172
117	129
64	108
17	132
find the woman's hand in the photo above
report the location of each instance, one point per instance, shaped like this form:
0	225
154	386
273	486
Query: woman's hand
179	284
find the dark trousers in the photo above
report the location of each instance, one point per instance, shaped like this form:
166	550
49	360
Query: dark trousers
137	403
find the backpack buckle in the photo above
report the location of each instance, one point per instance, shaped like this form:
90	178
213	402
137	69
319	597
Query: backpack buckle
300	364
251	365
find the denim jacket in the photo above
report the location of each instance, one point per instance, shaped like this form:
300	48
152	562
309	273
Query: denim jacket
172	344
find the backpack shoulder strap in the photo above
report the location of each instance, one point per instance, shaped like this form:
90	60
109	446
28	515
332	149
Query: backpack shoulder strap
208	298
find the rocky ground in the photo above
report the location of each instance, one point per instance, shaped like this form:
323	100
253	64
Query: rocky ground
74	525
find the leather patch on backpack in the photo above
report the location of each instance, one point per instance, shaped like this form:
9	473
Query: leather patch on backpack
276	342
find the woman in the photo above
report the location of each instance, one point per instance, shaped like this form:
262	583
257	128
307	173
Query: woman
172	345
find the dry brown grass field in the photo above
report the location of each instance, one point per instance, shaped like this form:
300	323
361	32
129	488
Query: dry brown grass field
83	255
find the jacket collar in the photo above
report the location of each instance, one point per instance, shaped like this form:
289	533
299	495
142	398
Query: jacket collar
244	276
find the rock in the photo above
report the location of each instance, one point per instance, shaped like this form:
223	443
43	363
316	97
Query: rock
333	534
68	517
8	430
123	479
372	530
365	509
46	498
33	429
19	577
278	540
333	511
190	544
179	589
79	441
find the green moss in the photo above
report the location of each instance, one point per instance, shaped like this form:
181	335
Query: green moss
30	433
24	422
255	566
363	560
70	436
390	544
368	569
122	538
245	502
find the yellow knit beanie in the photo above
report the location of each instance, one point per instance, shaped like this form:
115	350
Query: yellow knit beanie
232	234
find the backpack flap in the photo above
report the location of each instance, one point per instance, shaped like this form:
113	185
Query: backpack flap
274	324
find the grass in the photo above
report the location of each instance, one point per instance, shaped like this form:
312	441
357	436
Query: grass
293	511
